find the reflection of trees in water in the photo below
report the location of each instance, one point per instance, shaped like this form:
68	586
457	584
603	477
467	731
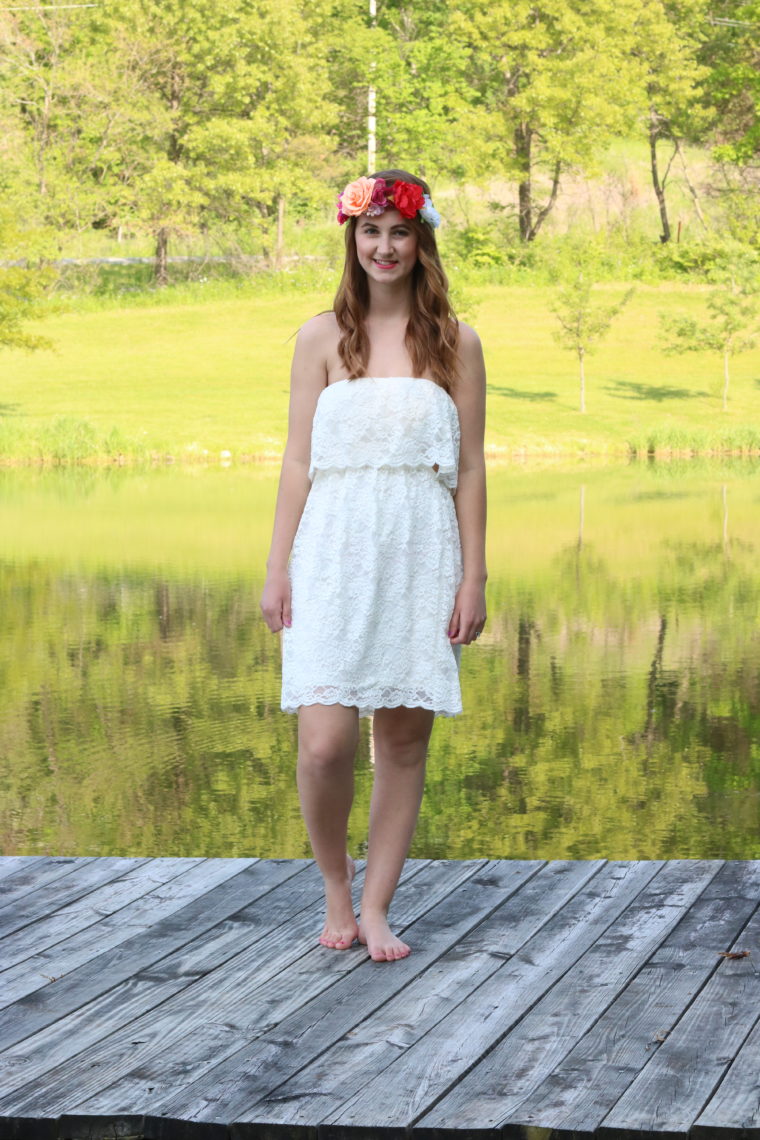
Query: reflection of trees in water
522	719
661	697
148	713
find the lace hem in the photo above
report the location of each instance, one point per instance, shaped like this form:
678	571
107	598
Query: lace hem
370	699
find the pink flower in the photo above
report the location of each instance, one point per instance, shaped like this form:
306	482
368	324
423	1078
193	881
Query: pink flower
357	196
379	199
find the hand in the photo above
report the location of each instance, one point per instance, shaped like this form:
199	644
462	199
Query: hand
275	600
469	614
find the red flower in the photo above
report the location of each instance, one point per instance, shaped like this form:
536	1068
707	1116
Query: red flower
408	198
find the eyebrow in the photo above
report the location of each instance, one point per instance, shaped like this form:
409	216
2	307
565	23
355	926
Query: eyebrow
396	226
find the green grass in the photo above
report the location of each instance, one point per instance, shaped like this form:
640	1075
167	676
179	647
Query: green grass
188	380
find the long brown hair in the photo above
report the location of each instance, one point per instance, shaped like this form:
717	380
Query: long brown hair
432	333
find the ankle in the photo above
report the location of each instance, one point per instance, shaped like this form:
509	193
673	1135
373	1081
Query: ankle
373	911
336	880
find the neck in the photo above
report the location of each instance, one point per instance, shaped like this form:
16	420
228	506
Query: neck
390	301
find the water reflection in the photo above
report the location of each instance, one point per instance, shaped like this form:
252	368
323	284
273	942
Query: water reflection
612	707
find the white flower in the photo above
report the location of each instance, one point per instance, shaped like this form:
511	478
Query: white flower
429	213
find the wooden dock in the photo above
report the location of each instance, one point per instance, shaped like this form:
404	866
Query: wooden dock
172	998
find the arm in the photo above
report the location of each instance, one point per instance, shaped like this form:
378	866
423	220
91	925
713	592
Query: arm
307	379
469	614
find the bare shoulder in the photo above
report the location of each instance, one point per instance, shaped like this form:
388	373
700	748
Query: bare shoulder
319	330
470	348
472	369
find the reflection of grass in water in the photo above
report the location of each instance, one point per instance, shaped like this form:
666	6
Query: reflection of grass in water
191	379
217	520
592	727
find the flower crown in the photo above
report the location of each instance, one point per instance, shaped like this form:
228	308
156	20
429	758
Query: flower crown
373	195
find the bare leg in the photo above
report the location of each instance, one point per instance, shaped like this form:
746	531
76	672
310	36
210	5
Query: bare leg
401	737
328	736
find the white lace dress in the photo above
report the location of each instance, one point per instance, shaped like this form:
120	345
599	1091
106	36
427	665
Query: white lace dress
376	560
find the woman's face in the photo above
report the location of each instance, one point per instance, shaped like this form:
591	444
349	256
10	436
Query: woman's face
386	246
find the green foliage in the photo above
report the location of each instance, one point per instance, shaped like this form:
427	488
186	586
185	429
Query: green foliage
197	118
733	87
732	321
477	246
710	258
24	286
583	321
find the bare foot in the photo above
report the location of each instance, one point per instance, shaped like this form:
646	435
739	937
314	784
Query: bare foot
341	929
376	935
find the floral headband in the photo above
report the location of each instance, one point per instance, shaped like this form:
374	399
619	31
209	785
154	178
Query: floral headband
373	195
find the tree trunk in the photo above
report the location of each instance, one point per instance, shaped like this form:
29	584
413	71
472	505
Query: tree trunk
581	353
725	380
692	188
659	186
279	252
544	211
371	102
523	137
160	266
581	515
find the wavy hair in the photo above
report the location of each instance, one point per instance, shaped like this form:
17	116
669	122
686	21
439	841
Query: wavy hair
432	332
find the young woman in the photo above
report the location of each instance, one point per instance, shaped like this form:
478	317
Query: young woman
376	574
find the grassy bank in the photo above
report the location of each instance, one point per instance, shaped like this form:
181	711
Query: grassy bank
208	382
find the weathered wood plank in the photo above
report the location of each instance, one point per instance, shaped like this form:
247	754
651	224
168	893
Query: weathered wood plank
320	1088
579	1092
231	1009
172	894
251	1072
212	920
736	1103
671	1092
89	910
53	895
235	1025
10	864
32	871
494	1088
231	959
429	1068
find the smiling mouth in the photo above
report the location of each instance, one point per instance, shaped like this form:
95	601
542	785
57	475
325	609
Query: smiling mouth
384	264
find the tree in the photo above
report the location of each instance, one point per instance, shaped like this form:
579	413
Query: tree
732	87
24	287
232	98
669	34
69	121
733	309
583	322
541	79
419	76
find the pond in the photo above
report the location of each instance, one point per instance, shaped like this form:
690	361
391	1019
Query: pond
611	707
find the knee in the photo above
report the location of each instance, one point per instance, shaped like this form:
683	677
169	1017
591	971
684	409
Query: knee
324	754
402	748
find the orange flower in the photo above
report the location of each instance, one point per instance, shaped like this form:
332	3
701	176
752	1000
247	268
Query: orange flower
356	197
